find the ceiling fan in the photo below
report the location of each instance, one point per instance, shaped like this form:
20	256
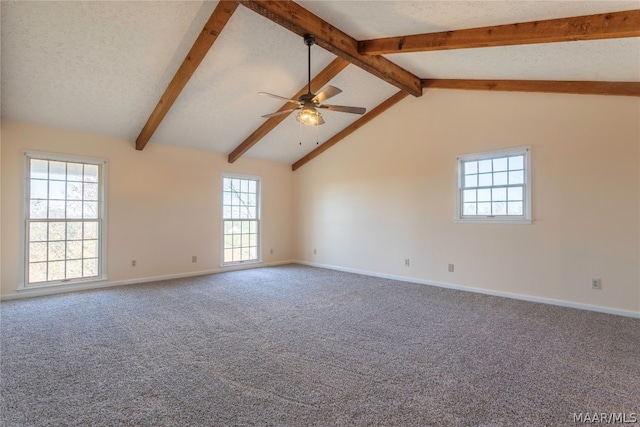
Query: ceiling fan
309	102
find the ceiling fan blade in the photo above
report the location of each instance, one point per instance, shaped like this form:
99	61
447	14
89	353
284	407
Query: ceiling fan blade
344	109
278	96
325	94
277	113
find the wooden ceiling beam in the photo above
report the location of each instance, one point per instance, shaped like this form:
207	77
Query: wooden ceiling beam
589	27
329	72
381	108
297	19
209	34
549	86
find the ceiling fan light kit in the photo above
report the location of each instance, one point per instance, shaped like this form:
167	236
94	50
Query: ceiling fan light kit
309	102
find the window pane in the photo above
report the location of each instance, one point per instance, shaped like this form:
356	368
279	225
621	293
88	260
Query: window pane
90	230
57	190
244	186
228	255
37	251
237	254
57	209
228	227
253	253
469	196
237	240
516	177
57	231
469	209
74	250
484	180
253	226
90	210
245	240
516	162
484	195
500	164
58	170
74	269
499	208
74	191
226	198
484	208
89	267
39	169
484	166
253	239
74	210
90	191
228	241
74	230
252	186
89	248
470	168
226	212
500	178
74	171
37	231
471	181
55	270
38	272
498	194
38	189
515	208
57	251
91	173
38	209
237	227
514	193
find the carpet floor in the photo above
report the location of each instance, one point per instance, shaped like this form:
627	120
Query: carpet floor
302	346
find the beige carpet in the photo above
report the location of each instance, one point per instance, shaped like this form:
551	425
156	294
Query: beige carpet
298	346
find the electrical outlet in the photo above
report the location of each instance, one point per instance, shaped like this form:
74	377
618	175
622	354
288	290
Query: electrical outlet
596	284
194	259
271	251
315	252
450	268
133	263
406	262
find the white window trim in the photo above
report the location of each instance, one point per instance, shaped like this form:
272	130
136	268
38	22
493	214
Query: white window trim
222	219
502	219
102	260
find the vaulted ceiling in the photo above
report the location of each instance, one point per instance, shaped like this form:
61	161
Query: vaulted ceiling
187	73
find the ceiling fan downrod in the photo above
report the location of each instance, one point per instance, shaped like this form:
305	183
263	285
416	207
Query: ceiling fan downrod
309	40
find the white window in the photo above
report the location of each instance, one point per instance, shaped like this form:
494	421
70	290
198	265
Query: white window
240	219
495	187
64	219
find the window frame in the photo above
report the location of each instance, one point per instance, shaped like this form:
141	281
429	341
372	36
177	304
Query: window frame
258	218
525	218
25	218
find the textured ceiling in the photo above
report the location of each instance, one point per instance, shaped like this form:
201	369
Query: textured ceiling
102	66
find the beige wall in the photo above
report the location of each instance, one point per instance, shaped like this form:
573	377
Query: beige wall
387	193
163	203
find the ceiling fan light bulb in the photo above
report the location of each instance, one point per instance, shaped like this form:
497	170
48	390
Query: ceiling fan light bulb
309	117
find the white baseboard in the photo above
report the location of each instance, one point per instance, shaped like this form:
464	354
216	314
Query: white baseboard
523	297
52	290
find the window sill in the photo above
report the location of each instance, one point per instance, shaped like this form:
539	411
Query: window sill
493	221
70	284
